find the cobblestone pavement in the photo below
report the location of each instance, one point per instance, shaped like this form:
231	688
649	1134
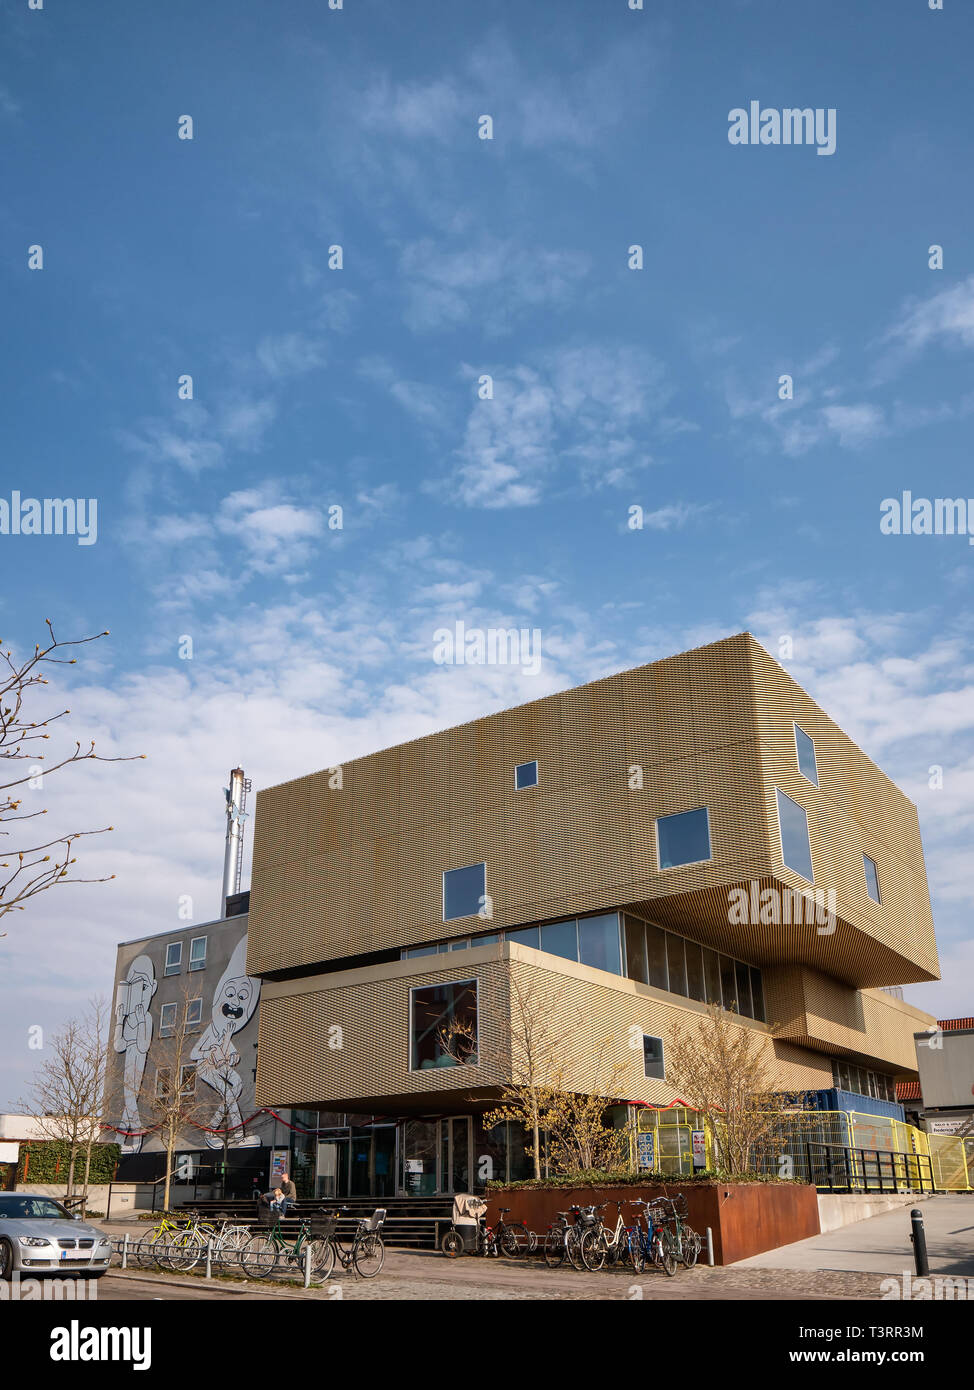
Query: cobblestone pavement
426	1277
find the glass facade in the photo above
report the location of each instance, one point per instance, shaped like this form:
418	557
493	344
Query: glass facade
683	838
667	961
589	940
846	1076
796	851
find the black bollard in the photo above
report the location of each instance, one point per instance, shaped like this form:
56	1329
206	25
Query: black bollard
919	1240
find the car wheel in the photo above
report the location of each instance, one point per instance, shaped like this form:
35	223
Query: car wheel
6	1259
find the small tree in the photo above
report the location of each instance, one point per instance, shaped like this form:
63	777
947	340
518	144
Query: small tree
32	868
67	1097
729	1074
579	1140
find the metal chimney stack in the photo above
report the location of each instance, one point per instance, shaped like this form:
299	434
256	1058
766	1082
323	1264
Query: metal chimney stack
236	795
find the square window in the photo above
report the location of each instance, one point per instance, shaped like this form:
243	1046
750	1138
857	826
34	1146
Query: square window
805	748
653	1057
197	953
796	851
526	775
560	939
872	878
174	957
443	1025
167	1020
683	838
464	891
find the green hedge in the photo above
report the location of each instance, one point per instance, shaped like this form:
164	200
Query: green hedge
624	1178
49	1160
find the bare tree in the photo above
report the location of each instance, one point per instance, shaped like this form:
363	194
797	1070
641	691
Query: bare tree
67	1097
579	1140
31	869
729	1074
169	1096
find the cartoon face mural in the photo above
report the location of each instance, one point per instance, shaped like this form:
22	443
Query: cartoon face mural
133	1034
216	1058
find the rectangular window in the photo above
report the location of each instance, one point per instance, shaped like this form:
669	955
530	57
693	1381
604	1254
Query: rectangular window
872	878
695	984
599	943
683	838
174	957
636	964
757	995
525	936
805	748
656	957
163	1083
443	1025
675	964
728	984
560	939
464	891
459	945
194	1013
796	851
421	951
743	978
653	1057
167	1020
526	775
197	953
711	967
187	1081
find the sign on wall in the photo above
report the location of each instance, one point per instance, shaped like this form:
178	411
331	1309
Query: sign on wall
646	1151
698	1145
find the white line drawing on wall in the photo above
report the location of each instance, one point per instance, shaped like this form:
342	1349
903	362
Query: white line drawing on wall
133	1034
234	1002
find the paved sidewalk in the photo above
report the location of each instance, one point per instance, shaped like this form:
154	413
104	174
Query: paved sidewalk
882	1245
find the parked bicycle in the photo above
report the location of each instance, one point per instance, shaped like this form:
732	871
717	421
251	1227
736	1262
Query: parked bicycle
683	1240
649	1243
564	1237
365	1250
600	1245
262	1253
511	1238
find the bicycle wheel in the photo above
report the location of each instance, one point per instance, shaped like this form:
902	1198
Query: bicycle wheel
663	1256
637	1251
258	1257
555	1249
369	1254
452	1245
513	1241
322	1257
691	1246
573	1245
184	1250
592	1250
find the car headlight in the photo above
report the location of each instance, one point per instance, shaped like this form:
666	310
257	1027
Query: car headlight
33	1241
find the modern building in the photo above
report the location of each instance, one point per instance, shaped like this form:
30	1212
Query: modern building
945	1058
606	860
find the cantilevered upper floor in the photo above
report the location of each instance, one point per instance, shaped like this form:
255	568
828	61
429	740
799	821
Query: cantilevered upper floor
706	792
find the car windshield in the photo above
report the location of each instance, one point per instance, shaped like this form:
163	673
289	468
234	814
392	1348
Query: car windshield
31	1208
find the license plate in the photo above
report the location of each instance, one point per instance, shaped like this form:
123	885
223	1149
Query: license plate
66	1254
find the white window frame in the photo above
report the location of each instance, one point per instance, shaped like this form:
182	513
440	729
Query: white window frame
194	1022
796	726
160	1072
175	967
184	1094
167	1029
478	863
689	862
197	965
439	984
781	839
531	762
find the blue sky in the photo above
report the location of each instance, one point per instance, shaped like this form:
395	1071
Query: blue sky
358	387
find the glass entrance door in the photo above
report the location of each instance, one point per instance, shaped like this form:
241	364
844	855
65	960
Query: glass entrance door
456	1147
331	1168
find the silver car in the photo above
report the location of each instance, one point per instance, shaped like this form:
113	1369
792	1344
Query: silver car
39	1236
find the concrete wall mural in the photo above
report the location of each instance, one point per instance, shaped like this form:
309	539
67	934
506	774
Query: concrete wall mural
133	1035
215	1055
